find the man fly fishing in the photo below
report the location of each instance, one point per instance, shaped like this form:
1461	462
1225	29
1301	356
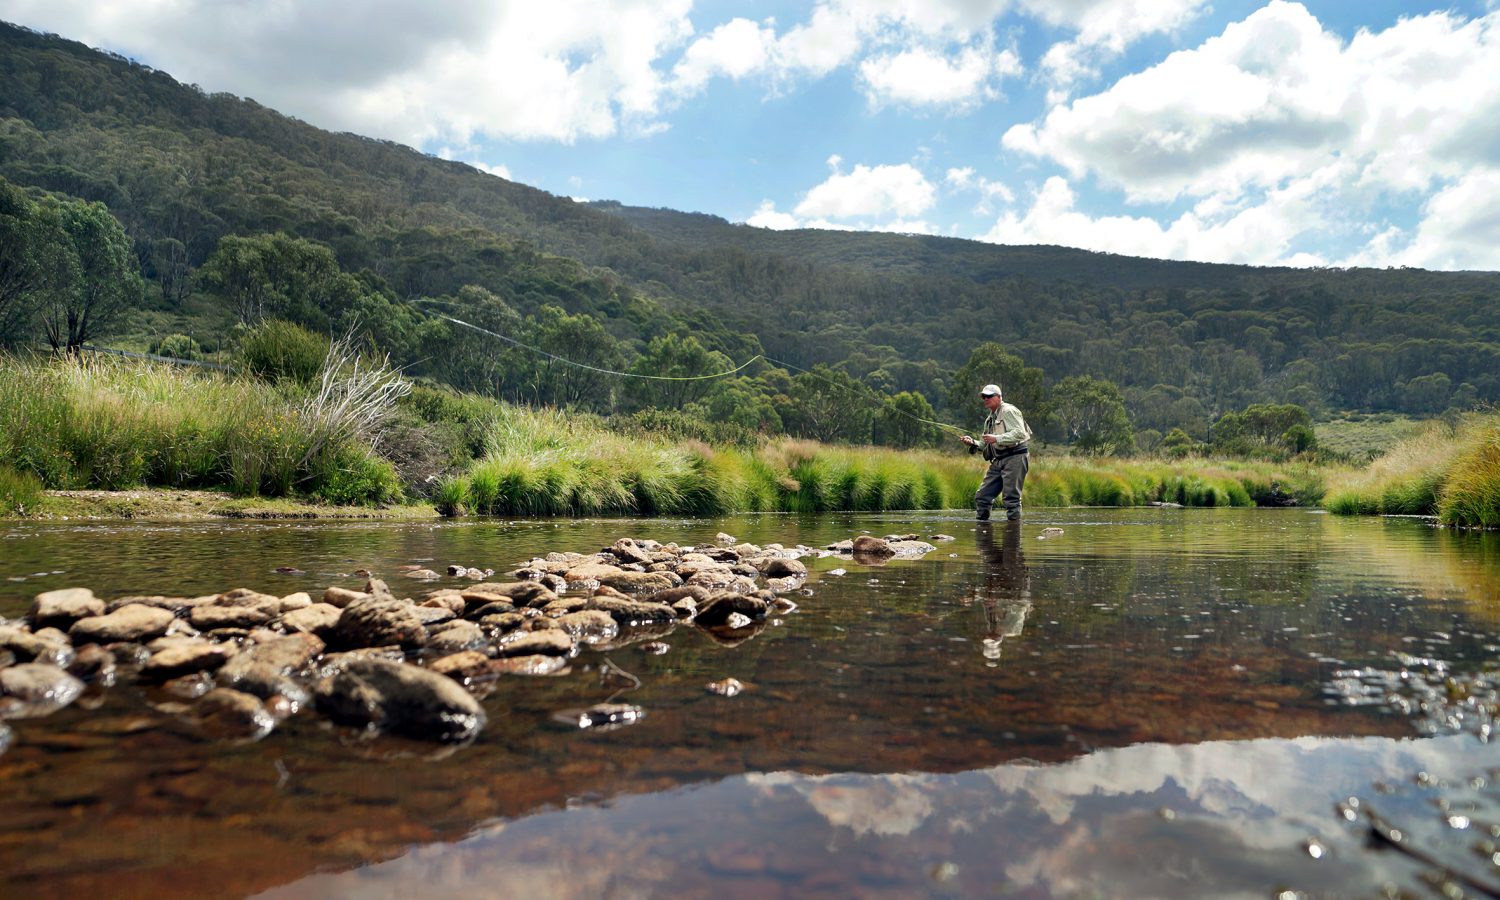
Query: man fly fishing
1003	443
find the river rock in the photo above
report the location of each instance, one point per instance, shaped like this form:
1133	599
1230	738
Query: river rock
594	570
537	664
669	596
37	689
378	622
454	637
285	654
727	540
718	610
552	642
868	546
564	605
430	615
520	593
715	577
319	619
778	567
502	623
342	597
94	663
641	581
727	687
499	607
42	648
592	626
627	550
175	605
64	607
175	657
546	642
452	601
233	715
469	665
135	622
209	618
401	698
632	612
908	549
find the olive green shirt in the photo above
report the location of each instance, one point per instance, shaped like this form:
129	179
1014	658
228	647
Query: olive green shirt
1007	425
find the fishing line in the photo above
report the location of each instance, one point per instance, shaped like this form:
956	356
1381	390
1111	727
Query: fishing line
868	394
510	340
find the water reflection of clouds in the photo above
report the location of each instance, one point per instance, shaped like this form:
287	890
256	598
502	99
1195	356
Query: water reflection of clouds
1089	826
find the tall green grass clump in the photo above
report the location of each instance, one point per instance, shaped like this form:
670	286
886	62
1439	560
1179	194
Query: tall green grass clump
113	424
546	462
1407	479
19	491
1470	496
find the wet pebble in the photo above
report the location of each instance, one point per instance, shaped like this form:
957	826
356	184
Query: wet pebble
728	687
601	716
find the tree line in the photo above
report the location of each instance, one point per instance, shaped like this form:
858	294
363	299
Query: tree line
230	213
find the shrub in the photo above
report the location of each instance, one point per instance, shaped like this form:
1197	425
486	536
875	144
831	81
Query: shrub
177	346
276	350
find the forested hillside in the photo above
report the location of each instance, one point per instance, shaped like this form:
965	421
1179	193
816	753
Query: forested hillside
234	214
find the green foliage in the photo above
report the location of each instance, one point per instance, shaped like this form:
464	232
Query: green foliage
104	283
829	405
100	424
898	423
19	491
1471	494
1091	414
1265	428
990	363
673	356
276	350
177	346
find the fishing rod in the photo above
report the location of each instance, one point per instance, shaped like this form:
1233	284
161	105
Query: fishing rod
868	396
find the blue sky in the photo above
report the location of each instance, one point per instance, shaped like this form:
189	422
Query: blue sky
1322	132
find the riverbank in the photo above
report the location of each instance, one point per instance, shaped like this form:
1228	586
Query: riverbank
166	504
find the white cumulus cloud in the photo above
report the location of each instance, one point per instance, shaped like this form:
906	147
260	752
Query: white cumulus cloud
1262	233
924	77
418	73
899	190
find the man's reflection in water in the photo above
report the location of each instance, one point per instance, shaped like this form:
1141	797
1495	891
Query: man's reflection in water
1005	596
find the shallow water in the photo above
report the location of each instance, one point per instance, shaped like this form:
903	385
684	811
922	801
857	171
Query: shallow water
1139	706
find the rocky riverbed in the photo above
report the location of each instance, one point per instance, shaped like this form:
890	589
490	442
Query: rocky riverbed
237	663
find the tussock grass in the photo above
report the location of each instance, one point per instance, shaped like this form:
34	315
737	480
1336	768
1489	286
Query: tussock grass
19	491
1406	480
1471	494
1448	469
114	424
545	462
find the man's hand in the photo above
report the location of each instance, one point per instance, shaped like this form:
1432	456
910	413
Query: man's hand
968	440
990	439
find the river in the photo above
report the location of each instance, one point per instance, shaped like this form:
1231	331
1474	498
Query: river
1141	705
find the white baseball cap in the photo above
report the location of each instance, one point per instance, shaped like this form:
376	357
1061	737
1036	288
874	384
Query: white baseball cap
990	390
